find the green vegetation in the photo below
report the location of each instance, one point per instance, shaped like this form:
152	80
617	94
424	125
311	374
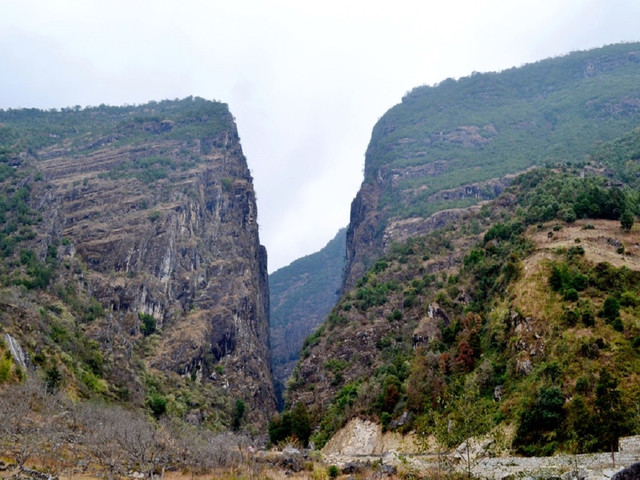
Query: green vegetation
189	119
148	325
238	413
294	425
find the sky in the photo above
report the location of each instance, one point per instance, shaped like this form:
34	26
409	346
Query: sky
306	80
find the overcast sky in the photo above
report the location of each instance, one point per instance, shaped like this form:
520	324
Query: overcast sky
305	79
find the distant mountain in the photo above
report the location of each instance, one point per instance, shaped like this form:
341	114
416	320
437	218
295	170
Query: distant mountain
130	266
302	295
455	144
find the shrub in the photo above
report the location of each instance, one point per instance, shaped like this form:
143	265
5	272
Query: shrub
611	309
148	324
571	316
53	378
583	385
157	404
626	220
227	184
588	318
571	295
333	471
629	299
617	325
153	216
5	368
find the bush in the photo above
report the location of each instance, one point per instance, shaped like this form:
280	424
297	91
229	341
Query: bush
629	299
157	404
237	414
617	325
588	318
333	471
148	324
571	316
571	295
611	309
5	368
626	220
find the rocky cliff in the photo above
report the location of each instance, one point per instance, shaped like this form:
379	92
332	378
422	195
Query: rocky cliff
153	210
455	144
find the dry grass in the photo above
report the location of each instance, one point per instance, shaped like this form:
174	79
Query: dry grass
599	244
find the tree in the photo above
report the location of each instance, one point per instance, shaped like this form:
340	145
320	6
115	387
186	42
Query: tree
460	419
539	423
611	414
626	220
301	423
237	414
25	412
101	439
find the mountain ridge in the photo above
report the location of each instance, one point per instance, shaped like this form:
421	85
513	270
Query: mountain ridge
466	132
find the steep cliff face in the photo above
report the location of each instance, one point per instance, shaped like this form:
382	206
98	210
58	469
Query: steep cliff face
454	144
156	204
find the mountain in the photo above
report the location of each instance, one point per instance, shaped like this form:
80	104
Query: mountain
131	263
455	144
301	296
492	265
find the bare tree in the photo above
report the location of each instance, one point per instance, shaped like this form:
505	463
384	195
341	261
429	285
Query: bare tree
25	412
145	445
100	429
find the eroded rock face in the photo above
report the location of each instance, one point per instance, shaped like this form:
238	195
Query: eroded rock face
162	213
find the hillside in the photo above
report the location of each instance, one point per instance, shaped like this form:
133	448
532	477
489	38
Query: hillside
131	266
483	298
534	320
457	143
301	296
